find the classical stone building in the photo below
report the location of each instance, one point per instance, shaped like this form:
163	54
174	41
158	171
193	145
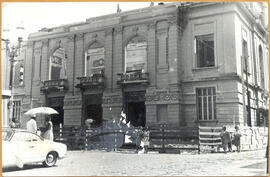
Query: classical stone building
180	63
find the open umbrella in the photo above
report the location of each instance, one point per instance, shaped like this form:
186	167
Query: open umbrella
41	110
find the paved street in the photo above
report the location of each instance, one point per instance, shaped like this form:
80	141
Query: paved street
126	164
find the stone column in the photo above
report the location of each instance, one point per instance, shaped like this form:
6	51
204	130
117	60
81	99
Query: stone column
173	58
118	55
109	58
162	65
71	62
151	60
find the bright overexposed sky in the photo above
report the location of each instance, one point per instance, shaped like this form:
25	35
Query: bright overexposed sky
36	15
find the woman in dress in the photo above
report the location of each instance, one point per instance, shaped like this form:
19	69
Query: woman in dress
49	129
237	138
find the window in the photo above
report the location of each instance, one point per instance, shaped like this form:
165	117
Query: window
25	137
245	56
261	66
17	110
136	55
162	113
205	54
94	61
58	64
206	103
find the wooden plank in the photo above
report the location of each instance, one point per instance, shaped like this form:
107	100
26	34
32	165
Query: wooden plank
210	133
210	144
210	128
210	139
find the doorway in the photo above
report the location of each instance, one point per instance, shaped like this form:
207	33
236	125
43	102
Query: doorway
58	119
135	108
136	113
94	111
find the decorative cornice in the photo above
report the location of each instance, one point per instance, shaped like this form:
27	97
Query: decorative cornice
45	42
152	25
37	51
79	36
162	96
112	99
71	37
108	31
119	29
30	44
172	20
162	33
72	102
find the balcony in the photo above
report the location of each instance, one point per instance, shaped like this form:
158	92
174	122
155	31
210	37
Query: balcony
94	81
134	77
58	85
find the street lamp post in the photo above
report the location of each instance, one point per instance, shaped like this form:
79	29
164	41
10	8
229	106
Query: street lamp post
12	52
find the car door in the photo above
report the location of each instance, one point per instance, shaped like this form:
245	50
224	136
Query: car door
27	149
38	144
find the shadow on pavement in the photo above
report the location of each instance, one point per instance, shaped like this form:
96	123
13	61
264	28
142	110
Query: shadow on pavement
259	165
25	167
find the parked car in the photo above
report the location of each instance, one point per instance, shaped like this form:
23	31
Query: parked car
21	147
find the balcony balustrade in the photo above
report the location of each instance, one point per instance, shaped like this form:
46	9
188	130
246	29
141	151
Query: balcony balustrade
94	81
59	84
134	77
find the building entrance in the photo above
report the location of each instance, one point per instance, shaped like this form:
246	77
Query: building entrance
135	106
57	103
58	119
94	111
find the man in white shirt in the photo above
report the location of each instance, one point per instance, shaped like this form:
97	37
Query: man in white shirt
32	124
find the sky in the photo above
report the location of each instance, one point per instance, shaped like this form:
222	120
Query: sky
37	15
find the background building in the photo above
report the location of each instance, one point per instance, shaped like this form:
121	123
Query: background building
180	63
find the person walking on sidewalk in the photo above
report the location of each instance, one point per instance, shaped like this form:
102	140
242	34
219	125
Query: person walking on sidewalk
225	138
237	138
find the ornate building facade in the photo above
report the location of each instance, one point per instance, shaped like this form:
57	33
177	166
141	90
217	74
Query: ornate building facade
179	63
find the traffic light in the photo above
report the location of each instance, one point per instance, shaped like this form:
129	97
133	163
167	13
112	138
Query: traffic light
21	75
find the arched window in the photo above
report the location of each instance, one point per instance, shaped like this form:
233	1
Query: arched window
18	74
58	62
94	60
136	55
261	66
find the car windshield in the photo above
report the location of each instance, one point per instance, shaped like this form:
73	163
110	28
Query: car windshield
6	135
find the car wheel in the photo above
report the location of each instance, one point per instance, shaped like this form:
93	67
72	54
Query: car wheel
51	159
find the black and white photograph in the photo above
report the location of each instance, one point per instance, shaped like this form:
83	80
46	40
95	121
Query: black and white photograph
135	88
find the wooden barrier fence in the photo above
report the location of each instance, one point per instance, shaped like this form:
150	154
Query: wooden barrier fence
163	137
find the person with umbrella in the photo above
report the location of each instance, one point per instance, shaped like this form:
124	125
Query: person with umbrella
49	129
31	125
44	111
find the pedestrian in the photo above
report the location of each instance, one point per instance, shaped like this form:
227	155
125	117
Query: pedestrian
145	140
123	118
230	143
49	129
237	138
139	135
31	125
225	138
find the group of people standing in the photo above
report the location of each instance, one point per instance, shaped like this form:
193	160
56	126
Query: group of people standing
142	135
227	140
31	126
